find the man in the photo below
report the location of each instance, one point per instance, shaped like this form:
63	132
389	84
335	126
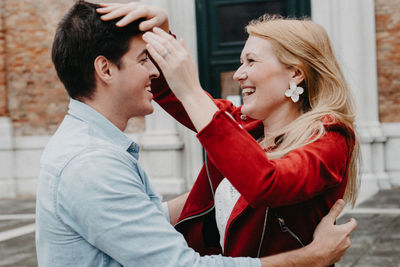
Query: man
95	205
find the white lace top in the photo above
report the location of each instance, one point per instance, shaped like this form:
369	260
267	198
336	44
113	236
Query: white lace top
226	197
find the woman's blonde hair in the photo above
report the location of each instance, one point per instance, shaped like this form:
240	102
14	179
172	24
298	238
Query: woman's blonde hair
304	44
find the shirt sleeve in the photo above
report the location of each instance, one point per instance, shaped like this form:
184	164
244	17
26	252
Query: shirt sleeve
166	210
102	196
298	176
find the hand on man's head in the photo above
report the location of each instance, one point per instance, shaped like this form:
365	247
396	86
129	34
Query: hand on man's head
129	12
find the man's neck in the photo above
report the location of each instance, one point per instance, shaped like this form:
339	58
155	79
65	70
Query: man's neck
109	111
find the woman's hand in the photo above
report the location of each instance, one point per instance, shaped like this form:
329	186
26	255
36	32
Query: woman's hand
129	12
181	74
175	62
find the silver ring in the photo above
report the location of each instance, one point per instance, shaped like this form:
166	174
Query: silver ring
165	53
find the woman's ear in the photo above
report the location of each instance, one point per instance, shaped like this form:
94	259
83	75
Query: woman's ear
298	75
103	69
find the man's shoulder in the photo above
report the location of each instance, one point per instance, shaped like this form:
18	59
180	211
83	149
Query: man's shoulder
74	138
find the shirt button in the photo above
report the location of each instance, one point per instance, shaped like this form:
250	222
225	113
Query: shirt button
243	117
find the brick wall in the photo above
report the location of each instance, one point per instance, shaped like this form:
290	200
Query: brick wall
37	100
3	87
388	58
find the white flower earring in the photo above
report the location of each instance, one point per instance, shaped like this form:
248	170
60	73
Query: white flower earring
294	92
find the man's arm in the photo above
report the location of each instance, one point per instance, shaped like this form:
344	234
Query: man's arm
114	210
329	245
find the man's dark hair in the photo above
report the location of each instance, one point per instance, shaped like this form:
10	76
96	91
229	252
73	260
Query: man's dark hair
81	36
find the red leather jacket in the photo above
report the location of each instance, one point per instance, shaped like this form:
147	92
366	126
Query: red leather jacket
282	200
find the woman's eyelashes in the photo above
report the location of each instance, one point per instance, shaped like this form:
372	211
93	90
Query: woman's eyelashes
248	61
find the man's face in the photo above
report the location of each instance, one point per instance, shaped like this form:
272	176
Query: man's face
133	79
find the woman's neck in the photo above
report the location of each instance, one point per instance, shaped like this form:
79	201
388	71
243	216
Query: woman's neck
274	124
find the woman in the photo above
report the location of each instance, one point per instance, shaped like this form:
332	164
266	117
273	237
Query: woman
275	165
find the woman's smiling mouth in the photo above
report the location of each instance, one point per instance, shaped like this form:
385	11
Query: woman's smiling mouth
248	91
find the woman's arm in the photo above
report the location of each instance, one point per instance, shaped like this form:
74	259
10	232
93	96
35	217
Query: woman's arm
299	176
163	95
181	74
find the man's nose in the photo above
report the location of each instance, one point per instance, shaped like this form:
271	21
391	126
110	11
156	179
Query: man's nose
153	71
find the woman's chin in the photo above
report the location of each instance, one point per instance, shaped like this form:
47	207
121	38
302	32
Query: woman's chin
246	110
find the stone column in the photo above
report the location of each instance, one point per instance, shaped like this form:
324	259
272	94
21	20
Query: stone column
183	23
351	27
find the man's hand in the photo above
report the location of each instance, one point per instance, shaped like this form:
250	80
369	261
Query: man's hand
333	240
329	245
129	12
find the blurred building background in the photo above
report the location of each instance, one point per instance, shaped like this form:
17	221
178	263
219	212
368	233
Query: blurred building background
365	35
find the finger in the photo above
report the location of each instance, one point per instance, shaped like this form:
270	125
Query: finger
160	61
167	40
131	17
182	42
105	8
109	4
350	226
162	33
335	210
118	12
156	42
163	41
149	24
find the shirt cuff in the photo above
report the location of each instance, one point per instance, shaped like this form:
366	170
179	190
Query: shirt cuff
245	262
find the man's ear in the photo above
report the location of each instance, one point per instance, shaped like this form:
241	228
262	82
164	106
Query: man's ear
103	69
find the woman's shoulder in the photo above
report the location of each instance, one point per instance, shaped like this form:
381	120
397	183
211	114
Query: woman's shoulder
333	126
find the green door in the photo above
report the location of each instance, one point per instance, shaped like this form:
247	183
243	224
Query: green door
221	36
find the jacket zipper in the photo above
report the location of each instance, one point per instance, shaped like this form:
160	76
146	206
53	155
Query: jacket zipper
225	248
263	232
212	192
285	229
208	176
195	216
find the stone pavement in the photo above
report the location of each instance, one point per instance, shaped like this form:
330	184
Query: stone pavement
375	243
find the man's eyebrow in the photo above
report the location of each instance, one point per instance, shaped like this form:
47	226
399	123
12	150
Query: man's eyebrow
144	52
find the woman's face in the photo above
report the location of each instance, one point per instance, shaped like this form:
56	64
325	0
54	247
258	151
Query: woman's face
263	80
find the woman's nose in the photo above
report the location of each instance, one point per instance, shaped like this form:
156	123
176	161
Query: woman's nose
239	74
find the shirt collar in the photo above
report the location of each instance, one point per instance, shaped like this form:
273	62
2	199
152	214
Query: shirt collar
103	126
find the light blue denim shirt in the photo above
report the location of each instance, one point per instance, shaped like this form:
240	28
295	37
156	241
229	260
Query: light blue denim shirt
96	207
